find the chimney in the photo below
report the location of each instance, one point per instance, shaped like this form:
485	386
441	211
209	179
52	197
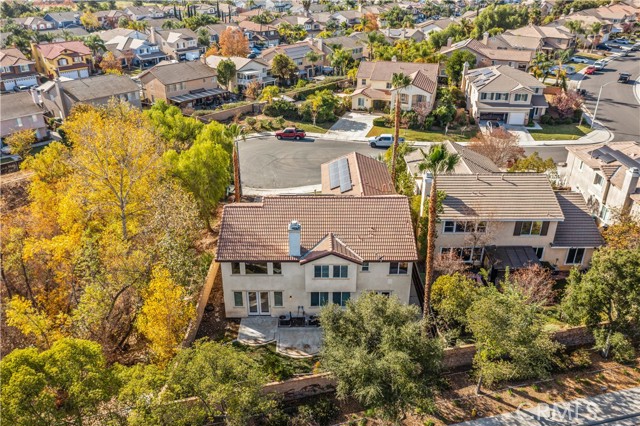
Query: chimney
485	38
294	238
320	43
631	178
449	41
394	59
463	80
152	35
36	96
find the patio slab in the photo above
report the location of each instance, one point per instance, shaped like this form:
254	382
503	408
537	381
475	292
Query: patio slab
256	331
352	126
299	342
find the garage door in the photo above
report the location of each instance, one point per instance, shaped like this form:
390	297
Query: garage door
516	118
70	74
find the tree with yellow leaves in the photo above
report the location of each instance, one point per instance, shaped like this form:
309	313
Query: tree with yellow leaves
110	64
20	142
234	43
89	20
164	316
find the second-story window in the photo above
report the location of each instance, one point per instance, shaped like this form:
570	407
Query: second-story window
398	268
321	271
62	62
531	228
365	267
598	180
277	268
483	96
256	268
521	97
363	81
340	271
77	59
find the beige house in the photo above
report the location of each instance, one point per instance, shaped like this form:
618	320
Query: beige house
350	44
486	56
186	84
247	70
179	44
607	176
502	220
503	93
298	53
295	254
549	37
19	112
375	91
356	174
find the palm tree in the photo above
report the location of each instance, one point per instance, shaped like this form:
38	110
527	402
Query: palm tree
95	43
236	132
313	57
541	64
372	38
562	57
595	31
306	4
436	162
398	81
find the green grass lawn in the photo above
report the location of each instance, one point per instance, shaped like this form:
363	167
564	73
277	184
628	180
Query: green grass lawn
426	136
560	132
579	67
593	56
310	128
276	366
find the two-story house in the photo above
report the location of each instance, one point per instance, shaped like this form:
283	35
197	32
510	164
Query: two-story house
502	220
350	44
19	112
63	19
347	18
180	44
550	37
298	52
186	84
60	96
486	56
70	59
135	52
110	18
299	253
247	71
310	25
138	13
503	93
16	70
607	176
262	35
375	91
35	23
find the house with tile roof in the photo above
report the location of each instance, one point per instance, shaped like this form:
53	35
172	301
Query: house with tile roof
63	19
510	220
374	89
356	174
351	44
295	254
110	18
16	70
503	93
264	35
247	70
179	44
35	23
549	37
137	52
607	176
138	13
487	56
298	53
70	59
470	162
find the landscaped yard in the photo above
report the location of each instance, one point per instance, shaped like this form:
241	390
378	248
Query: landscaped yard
593	56
276	366
427	136
310	128
271	125
560	132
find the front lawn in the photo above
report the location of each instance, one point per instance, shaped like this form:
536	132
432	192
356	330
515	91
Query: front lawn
309	127
593	56
560	132
427	136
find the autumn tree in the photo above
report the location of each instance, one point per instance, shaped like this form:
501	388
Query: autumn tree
498	145
252	91
234	43
20	142
624	231
89	20
566	103
110	64
213	50
535	282
268	93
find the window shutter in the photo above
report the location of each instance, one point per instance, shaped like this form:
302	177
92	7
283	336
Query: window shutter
545	228
516	230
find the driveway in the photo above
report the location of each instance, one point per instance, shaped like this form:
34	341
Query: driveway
352	126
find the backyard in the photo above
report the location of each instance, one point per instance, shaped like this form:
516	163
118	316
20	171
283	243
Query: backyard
559	132
427	135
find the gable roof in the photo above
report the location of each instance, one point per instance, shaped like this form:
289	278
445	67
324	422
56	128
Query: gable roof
502	78
495	54
578	229
170	73
13	56
63	16
97	87
499	196
424	76
376	228
331	245
16	105
295	51
368	176
53	50
239	61
172	36
612	159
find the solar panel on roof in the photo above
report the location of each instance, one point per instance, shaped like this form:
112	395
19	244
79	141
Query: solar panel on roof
334	176
344	175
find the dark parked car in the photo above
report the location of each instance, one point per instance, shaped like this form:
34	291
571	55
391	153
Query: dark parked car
603	46
291	133
624	77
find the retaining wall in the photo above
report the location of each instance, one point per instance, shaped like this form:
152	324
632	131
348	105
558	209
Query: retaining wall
202	303
223	115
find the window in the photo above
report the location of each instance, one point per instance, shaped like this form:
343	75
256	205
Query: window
451	226
580	165
532	228
256	268
235	268
341	298
19	121
598	180
340	271
388	85
319	298
361	102
604	213
364	81
238	301
481	227
460	227
365	267
77	59
466	254
574	256
398	268
483	96
384	293
277	299
521	97
539	252
34	118
321	271
403	98
24	68
277	268
62	62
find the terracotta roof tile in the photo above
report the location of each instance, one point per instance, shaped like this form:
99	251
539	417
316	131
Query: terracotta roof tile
368	176
53	50
331	245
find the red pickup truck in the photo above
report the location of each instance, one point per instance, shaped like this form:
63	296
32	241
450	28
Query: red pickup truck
291	133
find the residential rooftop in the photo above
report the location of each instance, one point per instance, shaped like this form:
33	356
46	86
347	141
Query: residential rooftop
366	176
578	229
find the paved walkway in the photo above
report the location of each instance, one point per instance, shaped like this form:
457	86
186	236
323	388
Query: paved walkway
294	342
351	126
620	408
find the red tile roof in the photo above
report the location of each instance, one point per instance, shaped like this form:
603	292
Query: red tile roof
375	228
331	245
368	176
53	50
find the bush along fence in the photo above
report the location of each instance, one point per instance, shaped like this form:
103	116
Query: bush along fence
229	113
302	93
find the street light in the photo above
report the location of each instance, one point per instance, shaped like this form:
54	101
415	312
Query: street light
595	111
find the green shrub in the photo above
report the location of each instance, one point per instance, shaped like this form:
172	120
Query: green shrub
620	347
282	108
279	122
321	412
546	119
380	121
251	121
472	121
265	124
275	367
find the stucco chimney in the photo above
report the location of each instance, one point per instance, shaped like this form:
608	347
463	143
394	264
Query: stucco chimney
485	38
463	80
449	41
630	183
294	238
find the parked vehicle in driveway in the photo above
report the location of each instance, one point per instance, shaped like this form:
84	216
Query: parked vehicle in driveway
579	60
291	133
568	69
621	41
590	70
603	46
624	77
635	47
385	140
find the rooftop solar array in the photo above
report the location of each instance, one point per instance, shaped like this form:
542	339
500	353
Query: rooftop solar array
339	175
608	156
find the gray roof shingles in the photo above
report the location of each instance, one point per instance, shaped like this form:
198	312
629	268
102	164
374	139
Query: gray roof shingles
578	228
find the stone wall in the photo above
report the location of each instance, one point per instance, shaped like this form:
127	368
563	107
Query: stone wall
301	387
223	115
457	358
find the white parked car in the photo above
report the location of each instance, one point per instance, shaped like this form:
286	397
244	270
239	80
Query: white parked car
385	140
580	60
600	64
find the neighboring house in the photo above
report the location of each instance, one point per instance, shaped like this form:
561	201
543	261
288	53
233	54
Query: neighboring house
550	38
205	9
375	91
307	22
19	112
503	93
186	84
179	44
16	70
356	174
247	70
35	23
110	18
60	96
299	253
298	53
138	13
109	35
63	19
260	34
518	42
216	30
470	161
348	18
607	176
71	59
486	56
395	34
436	25
350	44
135	52
502	220
62	34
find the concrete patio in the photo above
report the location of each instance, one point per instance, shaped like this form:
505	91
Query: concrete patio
295	342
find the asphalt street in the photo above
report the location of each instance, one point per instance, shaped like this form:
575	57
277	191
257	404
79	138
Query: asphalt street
619	109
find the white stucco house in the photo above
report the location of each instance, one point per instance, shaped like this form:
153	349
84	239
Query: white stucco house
247	70
295	254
